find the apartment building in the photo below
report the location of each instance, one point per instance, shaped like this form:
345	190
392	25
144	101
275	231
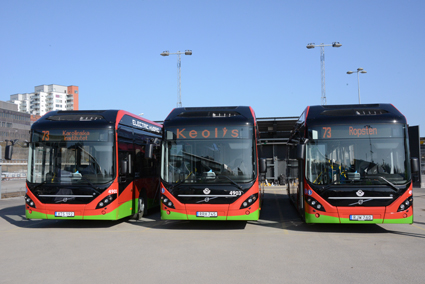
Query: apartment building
46	98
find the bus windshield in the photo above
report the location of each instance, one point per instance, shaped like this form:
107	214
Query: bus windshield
358	154
60	161
209	155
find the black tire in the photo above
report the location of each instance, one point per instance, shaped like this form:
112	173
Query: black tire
142	207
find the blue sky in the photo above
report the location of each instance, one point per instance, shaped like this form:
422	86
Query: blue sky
244	53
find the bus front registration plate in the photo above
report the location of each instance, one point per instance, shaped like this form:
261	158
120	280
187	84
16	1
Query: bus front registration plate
361	217
206	214
64	214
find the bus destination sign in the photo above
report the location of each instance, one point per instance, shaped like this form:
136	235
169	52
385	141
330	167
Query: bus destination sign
72	135
75	135
211	132
357	131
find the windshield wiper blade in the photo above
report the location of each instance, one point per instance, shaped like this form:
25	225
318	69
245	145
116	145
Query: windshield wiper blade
92	185
178	183
38	185
326	187
232	181
389	183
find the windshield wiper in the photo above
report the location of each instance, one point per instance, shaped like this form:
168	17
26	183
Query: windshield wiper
38	185
232	181
92	185
328	186
178	183
389	183
94	159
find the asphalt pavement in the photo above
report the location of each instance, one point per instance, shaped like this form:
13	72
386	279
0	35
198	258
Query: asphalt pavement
12	188
278	248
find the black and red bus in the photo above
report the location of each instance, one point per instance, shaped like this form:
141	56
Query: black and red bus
210	166
351	164
101	165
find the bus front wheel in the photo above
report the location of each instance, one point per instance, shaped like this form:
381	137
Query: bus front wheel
142	207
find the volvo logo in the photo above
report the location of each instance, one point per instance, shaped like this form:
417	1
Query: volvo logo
360	192
65	199
360	202
207	191
206	199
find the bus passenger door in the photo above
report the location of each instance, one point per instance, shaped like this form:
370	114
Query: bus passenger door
300	192
125	167
301	148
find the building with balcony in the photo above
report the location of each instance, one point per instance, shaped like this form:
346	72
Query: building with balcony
47	98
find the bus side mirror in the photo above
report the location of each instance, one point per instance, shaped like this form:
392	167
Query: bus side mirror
414	164
263	165
8	151
123	167
149	151
300	151
170	135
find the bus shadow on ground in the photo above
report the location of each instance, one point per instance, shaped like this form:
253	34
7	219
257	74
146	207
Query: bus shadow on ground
153	221
15	215
279	213
197	225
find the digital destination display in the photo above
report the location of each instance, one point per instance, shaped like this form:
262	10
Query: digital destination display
72	135
357	131
209	132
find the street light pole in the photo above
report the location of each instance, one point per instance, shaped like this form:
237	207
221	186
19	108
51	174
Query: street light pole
179	73
359	70
322	64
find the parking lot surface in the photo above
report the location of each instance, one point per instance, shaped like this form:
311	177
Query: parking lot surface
277	248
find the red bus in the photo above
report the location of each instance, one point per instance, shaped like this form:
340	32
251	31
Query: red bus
97	165
210	166
351	164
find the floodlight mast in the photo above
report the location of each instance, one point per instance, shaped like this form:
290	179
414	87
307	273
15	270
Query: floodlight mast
359	70
322	65
179	72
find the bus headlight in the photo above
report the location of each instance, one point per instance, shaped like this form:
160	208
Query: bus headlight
315	204
167	202
249	201
105	201
29	201
406	204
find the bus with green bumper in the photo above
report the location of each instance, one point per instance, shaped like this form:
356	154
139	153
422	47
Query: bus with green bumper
210	167
351	164
92	165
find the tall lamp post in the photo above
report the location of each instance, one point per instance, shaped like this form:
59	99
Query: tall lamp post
359	70
322	64
179	72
